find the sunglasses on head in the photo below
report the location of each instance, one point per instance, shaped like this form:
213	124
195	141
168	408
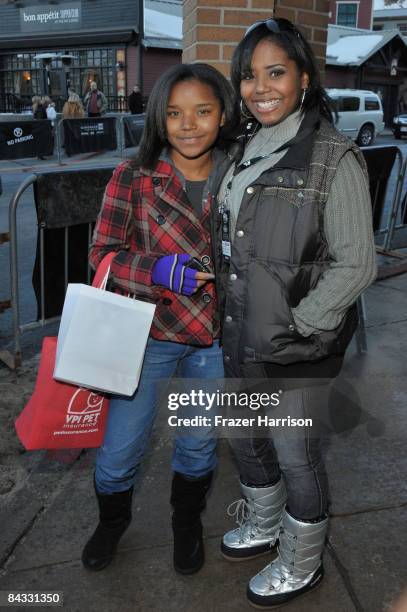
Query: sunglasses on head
274	26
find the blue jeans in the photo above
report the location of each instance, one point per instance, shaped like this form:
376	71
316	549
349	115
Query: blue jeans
131	419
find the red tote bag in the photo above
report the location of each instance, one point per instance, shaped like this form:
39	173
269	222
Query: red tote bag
59	415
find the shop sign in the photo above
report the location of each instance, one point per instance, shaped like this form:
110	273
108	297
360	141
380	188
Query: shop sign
48	18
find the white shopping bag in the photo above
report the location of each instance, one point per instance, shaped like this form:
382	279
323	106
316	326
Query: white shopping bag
102	339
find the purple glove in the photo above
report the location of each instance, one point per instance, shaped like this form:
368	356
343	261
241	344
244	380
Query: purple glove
171	272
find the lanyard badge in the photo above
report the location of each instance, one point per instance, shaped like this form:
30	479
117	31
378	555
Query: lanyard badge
226	245
224	211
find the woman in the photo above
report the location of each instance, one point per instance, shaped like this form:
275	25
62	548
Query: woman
38	108
73	108
294	251
156	216
39	112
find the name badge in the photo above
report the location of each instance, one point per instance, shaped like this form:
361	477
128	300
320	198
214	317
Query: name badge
226	245
226	250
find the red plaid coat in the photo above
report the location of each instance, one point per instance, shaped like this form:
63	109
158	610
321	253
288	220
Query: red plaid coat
145	215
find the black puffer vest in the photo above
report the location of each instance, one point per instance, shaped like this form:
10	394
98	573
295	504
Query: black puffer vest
279	252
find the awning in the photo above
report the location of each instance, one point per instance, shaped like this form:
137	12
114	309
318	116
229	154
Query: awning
96	36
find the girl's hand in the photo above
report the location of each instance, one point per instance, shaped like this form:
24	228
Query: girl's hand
172	271
202	278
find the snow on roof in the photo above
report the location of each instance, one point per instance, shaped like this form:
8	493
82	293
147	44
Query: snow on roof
350	46
162	29
335	32
162	25
350	49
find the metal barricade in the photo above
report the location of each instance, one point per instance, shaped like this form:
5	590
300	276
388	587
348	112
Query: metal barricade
380	161
379	174
4	304
397	238
124	124
14	359
84	120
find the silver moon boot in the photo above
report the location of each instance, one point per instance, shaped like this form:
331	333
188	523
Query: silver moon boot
298	567
258	515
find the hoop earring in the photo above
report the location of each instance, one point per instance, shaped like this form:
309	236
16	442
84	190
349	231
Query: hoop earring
304	93
242	111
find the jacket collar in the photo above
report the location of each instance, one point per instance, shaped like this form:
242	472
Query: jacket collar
293	167
295	157
299	157
177	198
165	167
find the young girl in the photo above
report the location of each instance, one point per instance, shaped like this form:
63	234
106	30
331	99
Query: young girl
156	216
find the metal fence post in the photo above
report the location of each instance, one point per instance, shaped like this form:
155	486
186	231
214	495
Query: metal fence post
122	136
395	206
59	140
15	301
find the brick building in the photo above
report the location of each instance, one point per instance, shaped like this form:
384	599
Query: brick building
351	14
212	28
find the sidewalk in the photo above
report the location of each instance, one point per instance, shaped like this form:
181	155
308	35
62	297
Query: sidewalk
48	510
31	164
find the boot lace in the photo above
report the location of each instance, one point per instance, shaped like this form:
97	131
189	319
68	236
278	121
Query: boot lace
246	519
287	559
243	512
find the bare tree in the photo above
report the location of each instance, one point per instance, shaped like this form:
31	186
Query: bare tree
400	3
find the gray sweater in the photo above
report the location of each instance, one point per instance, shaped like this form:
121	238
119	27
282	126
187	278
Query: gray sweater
347	226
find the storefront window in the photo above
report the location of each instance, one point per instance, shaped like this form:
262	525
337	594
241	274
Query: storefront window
22	74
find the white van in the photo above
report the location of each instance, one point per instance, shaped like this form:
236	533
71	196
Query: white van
360	114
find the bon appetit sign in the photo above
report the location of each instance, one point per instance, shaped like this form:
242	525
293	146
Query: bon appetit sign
50	18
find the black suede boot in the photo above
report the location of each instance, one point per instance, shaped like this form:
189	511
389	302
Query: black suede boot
188	500
114	518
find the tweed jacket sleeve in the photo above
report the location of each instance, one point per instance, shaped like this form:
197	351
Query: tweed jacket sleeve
348	229
131	269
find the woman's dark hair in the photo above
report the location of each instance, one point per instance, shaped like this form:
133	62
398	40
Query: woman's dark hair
154	137
283	33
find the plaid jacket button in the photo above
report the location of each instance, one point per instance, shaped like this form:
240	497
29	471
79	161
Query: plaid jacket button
206	298
167	301
156	180
160	220
206	260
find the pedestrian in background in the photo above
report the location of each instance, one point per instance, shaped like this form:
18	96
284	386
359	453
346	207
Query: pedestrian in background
135	101
38	108
50	110
39	112
51	113
73	107
95	101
